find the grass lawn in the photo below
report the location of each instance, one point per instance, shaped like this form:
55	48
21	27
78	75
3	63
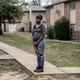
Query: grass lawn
58	53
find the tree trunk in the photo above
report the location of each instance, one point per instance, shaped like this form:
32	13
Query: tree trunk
4	26
1	32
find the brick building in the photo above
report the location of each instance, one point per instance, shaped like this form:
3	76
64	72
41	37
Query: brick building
68	8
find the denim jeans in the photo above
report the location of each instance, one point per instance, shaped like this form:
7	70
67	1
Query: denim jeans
39	50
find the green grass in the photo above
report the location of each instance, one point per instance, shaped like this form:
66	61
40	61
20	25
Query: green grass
63	54
58	53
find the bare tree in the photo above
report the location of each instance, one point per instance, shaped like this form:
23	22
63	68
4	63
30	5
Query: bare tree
39	2
47	2
36	2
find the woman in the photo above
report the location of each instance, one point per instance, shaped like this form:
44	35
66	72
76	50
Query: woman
38	40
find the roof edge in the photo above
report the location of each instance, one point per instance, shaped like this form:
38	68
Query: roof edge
58	3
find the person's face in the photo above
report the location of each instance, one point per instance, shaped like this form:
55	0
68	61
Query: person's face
38	21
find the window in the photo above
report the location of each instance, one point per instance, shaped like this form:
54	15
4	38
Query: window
48	10
73	27
52	10
72	30
72	5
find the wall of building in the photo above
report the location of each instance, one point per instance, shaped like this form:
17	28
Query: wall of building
56	12
74	17
48	16
7	26
78	19
59	7
67	10
24	22
78	13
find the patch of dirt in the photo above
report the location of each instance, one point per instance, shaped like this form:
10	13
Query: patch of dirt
61	77
13	76
12	70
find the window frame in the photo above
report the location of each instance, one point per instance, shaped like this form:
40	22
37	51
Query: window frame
72	5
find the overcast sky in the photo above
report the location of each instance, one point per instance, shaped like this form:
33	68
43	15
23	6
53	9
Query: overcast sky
43	1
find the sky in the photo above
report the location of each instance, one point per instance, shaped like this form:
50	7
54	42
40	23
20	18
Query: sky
43	1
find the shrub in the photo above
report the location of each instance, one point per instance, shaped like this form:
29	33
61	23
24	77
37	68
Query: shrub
61	29
50	32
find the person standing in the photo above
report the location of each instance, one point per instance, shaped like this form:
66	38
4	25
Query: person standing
38	39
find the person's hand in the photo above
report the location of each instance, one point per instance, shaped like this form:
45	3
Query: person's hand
35	43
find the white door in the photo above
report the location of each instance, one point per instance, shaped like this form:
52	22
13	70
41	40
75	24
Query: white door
73	16
12	27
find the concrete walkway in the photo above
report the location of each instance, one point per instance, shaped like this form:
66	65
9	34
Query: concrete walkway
70	70
3	57
71	42
29	61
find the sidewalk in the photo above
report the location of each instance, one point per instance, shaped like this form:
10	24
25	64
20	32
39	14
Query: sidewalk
5	57
29	62
72	42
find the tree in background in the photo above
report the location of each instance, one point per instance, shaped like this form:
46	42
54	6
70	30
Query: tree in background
36	2
10	11
40	2
24	3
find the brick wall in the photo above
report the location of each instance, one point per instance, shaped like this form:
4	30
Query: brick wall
48	16
78	18
78	13
67	11
67	15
